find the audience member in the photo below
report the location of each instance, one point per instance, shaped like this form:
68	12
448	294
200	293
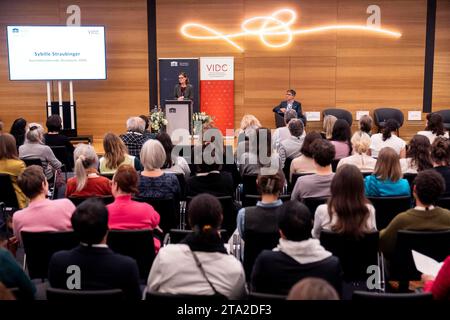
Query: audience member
11	165
87	182
53	138
290	147
348	211
153	182
116	154
283	133
386	180
296	257
439	286
249	123
365	124
418	155
147	132
312	289
200	259
340	138
360	146
18	130
440	154
428	186
434	128
305	163
387	139
42	214
318	184
328	124
134	138
173	163
101	268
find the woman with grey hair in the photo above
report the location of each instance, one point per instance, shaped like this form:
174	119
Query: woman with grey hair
34	148
87	182
135	137
154	182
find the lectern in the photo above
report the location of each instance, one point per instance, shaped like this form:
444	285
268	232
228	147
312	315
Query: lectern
178	115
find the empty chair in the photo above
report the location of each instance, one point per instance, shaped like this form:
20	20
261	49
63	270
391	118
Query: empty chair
381	115
257	296
386	208
375	296
444	203
169	297
137	244
54	294
340	114
168	210
255	243
40	246
77	200
313	202
7	193
445	114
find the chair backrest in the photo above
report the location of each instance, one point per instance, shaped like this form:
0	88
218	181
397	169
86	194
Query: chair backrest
249	184
168	210
168	297
287	167
182	183
410	297
294	179
54	294
313	202
62	155
334	164
7	193
256	242
109	176
177	235
265	296
78	200
410	177
279	120
40	246
355	254
137	244
381	115
445	114
386	208
340	114
434	244
444	203
32	161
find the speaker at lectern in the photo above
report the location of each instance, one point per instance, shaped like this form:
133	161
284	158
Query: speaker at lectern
178	115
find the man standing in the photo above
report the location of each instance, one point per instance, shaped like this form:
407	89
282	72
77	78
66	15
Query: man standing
290	103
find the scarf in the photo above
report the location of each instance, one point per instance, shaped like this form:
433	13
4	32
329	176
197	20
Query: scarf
307	251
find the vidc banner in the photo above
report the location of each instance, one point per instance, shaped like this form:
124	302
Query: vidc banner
217	90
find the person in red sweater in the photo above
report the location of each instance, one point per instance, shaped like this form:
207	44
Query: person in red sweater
439	286
87	182
126	214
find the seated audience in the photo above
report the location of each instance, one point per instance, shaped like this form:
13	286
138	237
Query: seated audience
200	264
283	133
42	214
126	214
290	147
53	138
87	182
34	148
147	132
11	164
115	155
387	139
439	286
135	137
428	186
153	182
328	124
418	155
318	184
249	123
18	130
365	124
435	127
348	211
440	154
264	215
173	163
386	180
312	289
340	138
305	163
296	257
360	146
101	268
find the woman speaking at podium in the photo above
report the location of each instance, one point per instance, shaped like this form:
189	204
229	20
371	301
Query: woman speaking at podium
183	90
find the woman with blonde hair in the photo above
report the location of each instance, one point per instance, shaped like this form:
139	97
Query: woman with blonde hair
87	182
116	154
249	123
360	145
328	124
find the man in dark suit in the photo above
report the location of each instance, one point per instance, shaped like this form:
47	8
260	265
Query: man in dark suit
290	103
99	267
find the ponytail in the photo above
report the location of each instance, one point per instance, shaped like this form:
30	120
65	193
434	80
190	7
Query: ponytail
391	125
80	172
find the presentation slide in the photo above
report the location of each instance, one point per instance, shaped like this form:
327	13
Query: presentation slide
56	53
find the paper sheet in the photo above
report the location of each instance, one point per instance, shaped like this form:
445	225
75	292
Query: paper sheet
425	264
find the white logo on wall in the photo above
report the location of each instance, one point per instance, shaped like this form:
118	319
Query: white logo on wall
75	18
174	64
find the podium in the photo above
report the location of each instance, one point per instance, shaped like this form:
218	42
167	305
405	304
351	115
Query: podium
178	115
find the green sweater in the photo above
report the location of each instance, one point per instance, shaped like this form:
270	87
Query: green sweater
12	275
436	219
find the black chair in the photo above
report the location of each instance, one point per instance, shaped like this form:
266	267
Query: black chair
287	167
410	177
445	114
249	184
407	297
137	244
175	236
40	246
334	164
168	297
386	208
434	244
63	156
279	120
255	242
313	202
355	254
78	200
444	203
257	296
54	294
32	161
182	183
381	115
7	193
340	114
168	209
107	175
294	178
250	200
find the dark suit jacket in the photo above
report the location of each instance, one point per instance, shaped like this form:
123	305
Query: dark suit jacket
188	93
297	106
100	268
